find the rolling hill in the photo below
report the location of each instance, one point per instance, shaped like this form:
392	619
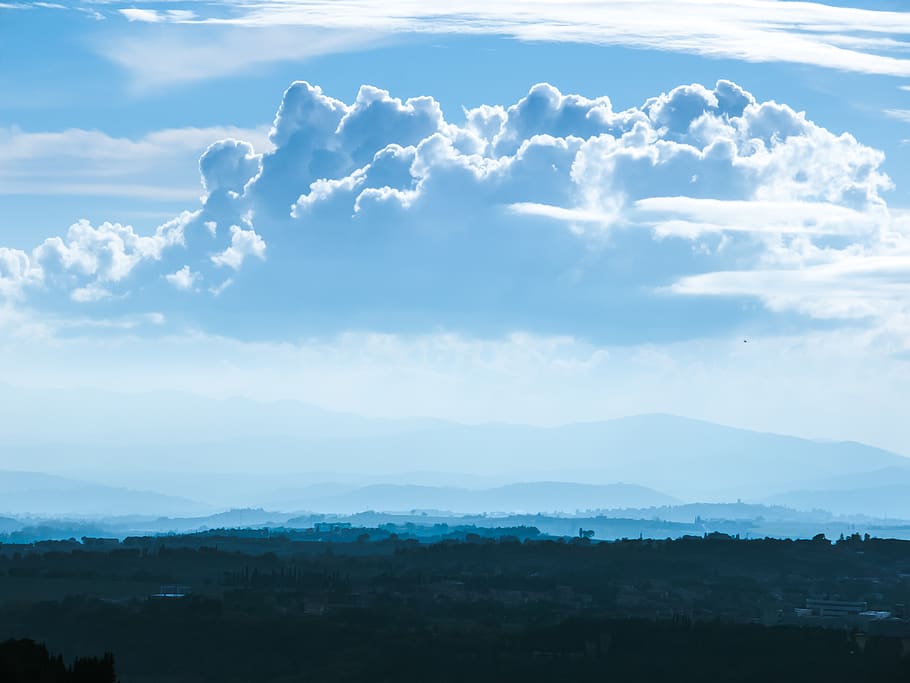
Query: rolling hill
36	494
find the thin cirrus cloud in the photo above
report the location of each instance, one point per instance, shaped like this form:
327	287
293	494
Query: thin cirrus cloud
692	217
899	114
846	38
556	214
157	166
855	286
158	16
194	52
689	216
88	9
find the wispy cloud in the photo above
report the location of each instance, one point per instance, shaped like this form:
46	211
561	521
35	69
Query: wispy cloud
691	217
565	214
152	192
88	9
899	114
858	282
846	38
193	51
158	17
159	165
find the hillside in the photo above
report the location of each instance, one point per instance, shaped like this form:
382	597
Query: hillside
32	493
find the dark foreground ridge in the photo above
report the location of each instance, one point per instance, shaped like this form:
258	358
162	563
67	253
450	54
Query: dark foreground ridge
25	661
337	603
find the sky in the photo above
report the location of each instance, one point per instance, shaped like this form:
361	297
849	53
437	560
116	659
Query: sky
538	212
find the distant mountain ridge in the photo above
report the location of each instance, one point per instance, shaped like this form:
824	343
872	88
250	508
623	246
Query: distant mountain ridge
532	497
237	452
33	493
687	459
891	501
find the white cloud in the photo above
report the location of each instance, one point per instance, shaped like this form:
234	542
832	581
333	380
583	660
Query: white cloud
899	114
690	217
92	13
850	285
847	38
89	293
688	164
244	243
217	290
88	11
52	188
183	279
228	165
107	253
185	54
147	15
867	279
156	16
90	260
556	213
16	271
160	165
560	213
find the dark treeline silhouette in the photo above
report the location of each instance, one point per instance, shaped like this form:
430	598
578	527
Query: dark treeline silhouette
247	605
25	661
206	640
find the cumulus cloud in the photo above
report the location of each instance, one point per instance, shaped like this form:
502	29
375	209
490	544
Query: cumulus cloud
228	165
557	213
16	270
184	279
107	253
243	243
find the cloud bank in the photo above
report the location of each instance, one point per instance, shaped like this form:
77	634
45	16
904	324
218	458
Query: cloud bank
556	214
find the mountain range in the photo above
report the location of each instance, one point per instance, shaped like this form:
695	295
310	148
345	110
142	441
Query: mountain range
531	497
208	453
34	493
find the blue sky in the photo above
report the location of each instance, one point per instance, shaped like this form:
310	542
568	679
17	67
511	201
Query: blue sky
487	211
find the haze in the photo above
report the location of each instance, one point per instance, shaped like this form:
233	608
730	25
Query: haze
261	254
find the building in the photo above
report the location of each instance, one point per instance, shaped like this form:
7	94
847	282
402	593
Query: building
834	608
171	592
